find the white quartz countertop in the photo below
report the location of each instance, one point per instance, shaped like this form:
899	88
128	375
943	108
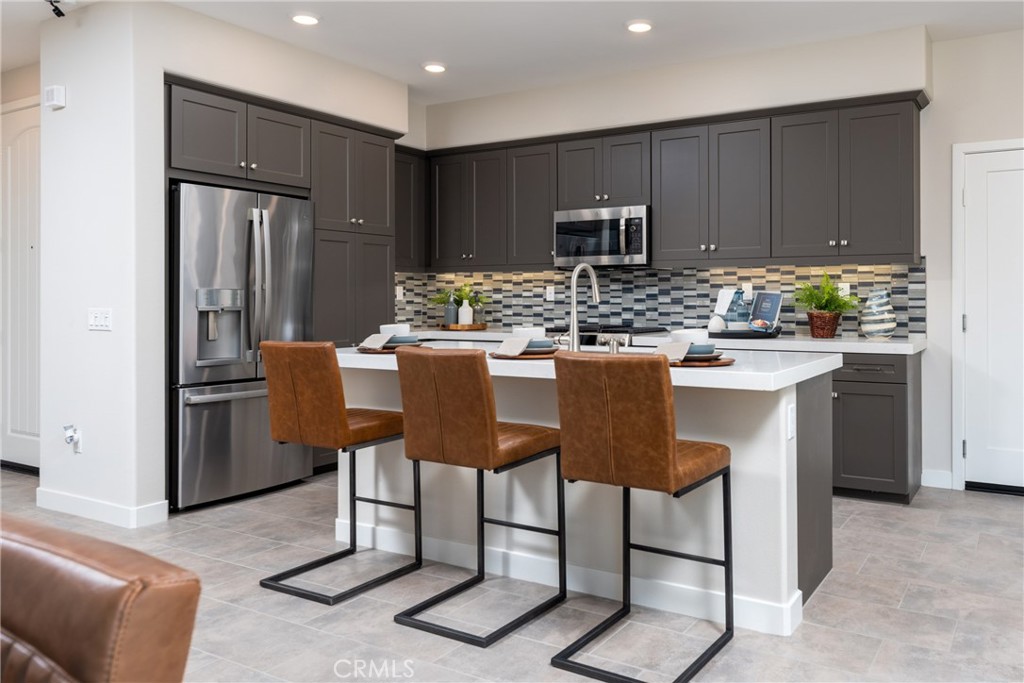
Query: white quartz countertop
752	371
805	343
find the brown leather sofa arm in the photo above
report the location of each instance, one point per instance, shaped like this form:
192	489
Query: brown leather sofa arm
74	607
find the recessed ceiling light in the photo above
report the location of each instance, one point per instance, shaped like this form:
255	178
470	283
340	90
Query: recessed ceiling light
305	19
434	67
639	26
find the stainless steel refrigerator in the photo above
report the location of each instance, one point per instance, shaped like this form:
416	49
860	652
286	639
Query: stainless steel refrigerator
241	271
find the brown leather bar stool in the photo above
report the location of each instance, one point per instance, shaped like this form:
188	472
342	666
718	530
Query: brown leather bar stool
617	420
451	418
307	406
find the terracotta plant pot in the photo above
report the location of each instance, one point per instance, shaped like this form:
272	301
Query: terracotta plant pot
823	323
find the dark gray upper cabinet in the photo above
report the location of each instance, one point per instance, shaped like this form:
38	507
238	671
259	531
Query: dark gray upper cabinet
679	208
805	184
278	147
469	210
879	180
532	198
214	134
739	186
353	285
410	211
353	180
207	133
609	171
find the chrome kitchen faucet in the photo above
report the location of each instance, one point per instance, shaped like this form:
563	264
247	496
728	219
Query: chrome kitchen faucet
574	319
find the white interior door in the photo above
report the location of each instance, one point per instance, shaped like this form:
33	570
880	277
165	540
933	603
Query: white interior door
19	286
993	361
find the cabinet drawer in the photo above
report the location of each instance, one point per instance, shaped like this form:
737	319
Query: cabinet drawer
864	367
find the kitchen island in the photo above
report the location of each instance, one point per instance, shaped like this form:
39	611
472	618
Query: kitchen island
772	409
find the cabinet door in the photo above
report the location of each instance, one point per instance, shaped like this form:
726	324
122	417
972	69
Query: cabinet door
679	211
334	287
488	208
375	284
278	147
627	170
579	173
740	190
410	211
878	180
333	149
374	184
869	431
532	198
449	206
805	184
207	133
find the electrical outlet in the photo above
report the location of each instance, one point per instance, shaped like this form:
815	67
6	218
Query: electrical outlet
844	288
549	293
748	290
101	320
399	293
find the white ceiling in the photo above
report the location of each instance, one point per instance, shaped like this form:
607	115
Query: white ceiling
494	46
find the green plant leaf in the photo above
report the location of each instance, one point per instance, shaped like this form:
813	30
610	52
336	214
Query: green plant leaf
825	297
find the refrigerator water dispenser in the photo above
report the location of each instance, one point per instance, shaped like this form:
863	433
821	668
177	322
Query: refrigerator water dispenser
219	333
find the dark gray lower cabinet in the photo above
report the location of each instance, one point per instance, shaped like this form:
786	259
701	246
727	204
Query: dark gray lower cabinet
876	417
353	285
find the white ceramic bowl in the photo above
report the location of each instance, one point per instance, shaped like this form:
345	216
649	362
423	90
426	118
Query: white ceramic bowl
400	329
531	332
693	336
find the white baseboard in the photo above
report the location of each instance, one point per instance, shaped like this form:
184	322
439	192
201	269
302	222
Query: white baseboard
937	479
101	510
756	615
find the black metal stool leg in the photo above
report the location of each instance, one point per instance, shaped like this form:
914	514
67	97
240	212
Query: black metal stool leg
276	582
408	617
562	659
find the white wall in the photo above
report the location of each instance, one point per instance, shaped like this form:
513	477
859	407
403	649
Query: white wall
417	135
103	227
865	65
16	84
978	95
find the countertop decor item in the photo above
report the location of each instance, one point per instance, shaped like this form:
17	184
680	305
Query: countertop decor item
825	305
463	292
877	319
455	327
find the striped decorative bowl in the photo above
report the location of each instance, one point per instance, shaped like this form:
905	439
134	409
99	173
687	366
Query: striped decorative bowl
877	318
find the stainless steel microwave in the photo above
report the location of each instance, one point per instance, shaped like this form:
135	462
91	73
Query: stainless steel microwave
609	236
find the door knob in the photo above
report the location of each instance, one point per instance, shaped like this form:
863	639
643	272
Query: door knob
360	221
835	394
241	164
352	220
703	247
844	243
470	256
463	256
714	247
604	197
597	197
253	165
831	243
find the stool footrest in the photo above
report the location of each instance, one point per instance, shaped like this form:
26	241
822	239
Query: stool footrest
517	525
674	553
387	503
276	582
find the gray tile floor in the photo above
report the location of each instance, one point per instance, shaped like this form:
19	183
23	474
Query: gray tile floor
933	591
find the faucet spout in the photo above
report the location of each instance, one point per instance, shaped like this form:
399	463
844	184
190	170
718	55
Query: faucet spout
574	320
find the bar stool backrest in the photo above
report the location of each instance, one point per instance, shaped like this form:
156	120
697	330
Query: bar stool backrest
617	419
305	394
448	404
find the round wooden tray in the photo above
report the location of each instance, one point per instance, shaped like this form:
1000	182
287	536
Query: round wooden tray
360	349
525	356
455	327
702	363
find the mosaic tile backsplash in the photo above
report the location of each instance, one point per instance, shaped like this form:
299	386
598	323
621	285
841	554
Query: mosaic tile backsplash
669	298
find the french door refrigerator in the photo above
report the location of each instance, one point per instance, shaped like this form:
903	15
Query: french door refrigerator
241	271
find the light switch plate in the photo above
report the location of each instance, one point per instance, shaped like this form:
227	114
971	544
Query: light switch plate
549	293
399	293
101	320
844	288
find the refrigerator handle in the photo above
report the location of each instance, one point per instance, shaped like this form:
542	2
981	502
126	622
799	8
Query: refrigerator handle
256	321
268	275
220	398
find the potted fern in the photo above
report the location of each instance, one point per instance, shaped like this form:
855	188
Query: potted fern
825	304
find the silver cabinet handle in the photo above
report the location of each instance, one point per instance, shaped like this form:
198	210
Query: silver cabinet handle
714	247
703	247
241	164
470	256
844	243
360	221
218	398
597	197
835	394
463	256
253	165
604	197
552	252
831	243
352	221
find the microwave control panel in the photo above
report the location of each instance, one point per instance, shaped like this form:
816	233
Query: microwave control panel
634	235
